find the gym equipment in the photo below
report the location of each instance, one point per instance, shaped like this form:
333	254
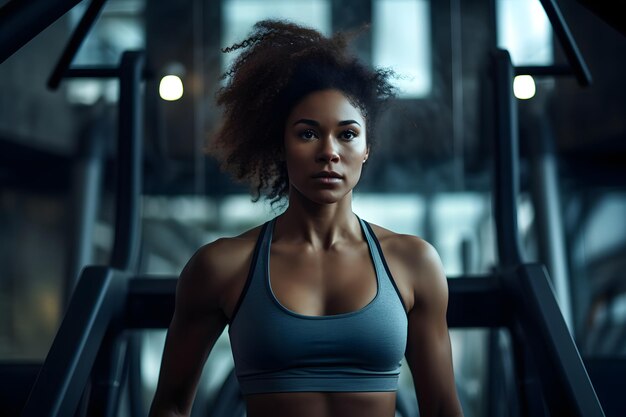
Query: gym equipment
109	301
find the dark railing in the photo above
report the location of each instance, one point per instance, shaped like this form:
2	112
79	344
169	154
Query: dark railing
506	161
108	301
94	310
574	57
129	162
74	43
18	24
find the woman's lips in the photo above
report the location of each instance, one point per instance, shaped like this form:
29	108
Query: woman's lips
332	174
328	177
327	180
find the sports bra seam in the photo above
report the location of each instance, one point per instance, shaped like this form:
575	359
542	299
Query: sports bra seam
384	261
251	270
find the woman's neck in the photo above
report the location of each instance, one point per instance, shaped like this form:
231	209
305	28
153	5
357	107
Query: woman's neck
320	225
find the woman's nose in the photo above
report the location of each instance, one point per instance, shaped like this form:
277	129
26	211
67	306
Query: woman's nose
328	150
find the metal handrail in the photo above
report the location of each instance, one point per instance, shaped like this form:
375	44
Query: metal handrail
129	160
109	301
94	310
506	161
575	58
74	43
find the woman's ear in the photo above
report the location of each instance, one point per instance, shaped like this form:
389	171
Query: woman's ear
367	153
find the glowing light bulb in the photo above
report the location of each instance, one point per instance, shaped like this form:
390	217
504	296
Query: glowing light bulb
524	87
171	88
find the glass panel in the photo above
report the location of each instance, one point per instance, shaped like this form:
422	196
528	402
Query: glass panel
119	27
596	233
240	15
524	29
401	40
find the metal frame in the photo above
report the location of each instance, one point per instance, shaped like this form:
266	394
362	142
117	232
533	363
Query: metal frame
129	162
560	27
108	301
95	308
506	161
547	367
74	43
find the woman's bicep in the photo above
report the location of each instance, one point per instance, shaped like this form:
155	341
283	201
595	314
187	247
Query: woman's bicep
187	346
429	357
428	346
195	327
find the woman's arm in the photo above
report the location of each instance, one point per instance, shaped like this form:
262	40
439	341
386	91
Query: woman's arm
428	350
197	323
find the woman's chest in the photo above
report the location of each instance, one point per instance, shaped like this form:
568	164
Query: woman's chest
323	284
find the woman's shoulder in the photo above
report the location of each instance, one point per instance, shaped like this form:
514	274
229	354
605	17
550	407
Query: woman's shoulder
413	258
400	244
215	265
225	254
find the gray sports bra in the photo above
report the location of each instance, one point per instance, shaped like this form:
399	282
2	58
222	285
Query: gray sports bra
278	350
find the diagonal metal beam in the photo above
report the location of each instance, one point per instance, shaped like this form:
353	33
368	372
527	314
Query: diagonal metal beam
79	35
575	58
21	21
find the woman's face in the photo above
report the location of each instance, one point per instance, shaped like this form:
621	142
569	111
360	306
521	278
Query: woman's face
325	146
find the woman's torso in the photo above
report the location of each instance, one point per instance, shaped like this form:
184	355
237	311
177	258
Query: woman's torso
321	404
319	284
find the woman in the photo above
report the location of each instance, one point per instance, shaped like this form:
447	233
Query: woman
321	306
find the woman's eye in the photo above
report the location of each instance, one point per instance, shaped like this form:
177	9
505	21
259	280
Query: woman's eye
307	134
348	134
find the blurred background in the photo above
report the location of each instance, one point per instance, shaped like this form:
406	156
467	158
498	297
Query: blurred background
431	173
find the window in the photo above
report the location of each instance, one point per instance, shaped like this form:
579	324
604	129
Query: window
240	15
401	40
524	30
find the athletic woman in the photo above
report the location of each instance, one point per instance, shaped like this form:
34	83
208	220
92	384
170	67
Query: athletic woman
321	305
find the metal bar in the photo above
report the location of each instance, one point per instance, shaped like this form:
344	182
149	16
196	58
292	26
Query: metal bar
93	72
456	86
507	374
100	299
541	71
532	402
107	375
478	301
134	375
21	21
566	386
548	210
129	162
74	43
107	301
100	72
567	41
85	202
112	364
150	302
506	161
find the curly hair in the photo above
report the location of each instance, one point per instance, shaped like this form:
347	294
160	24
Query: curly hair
280	64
